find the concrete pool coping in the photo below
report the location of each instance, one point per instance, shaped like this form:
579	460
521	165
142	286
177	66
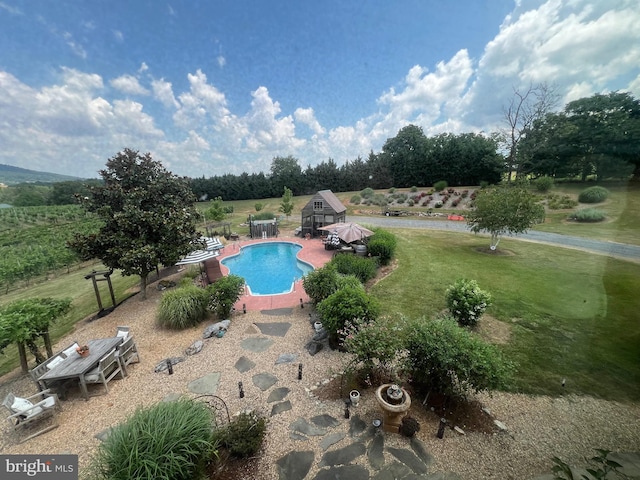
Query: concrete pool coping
312	252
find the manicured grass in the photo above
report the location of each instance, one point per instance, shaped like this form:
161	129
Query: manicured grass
572	315
72	285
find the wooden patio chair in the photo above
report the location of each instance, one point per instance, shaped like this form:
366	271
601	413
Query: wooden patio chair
108	367
25	414
59	387
122	331
127	353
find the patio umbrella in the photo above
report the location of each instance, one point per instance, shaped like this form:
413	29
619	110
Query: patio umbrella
198	256
348	232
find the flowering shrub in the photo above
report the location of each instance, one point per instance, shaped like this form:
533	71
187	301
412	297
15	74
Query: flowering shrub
374	343
467	302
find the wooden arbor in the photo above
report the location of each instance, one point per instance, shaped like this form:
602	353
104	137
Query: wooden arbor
106	274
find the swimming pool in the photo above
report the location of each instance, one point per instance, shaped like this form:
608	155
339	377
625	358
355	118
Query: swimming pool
269	268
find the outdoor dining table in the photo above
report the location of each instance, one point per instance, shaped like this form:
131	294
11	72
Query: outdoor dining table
76	366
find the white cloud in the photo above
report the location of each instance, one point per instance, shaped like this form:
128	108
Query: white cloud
202	101
75	46
118	35
129	85
163	91
143	68
12	10
308	117
221	61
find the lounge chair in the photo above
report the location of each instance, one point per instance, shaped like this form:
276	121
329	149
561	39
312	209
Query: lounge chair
25	413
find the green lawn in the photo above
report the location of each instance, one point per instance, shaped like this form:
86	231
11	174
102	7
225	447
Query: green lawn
72	285
572	315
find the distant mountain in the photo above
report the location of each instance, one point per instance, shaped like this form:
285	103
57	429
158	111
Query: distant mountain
10	175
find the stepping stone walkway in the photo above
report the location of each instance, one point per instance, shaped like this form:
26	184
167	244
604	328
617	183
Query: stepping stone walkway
244	365
278	394
256	345
264	381
279	329
207	385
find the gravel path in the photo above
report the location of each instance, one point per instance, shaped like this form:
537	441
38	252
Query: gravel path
538	427
612	249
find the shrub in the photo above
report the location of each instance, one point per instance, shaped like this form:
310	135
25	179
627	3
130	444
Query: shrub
379	199
595	194
367	192
224	293
356	199
374	343
168	441
361	267
183	308
409	427
348	281
382	244
321	283
443	358
410	202
588	215
346	305
258	206
244	435
466	302
544	184
392	190
556	202
414	189
441	185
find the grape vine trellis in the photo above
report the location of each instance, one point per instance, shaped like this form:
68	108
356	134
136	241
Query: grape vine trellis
33	240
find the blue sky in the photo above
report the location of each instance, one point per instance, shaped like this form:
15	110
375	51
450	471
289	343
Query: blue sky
215	87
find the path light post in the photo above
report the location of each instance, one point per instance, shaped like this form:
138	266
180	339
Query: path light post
441	427
300	372
169	366
241	389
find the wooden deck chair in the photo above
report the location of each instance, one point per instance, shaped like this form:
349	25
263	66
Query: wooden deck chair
58	387
25	414
107	369
122	331
127	352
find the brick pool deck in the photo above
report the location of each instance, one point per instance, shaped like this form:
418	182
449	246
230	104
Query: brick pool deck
312	252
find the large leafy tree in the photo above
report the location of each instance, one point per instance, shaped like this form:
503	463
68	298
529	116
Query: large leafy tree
285	171
504	209
148	217
23	321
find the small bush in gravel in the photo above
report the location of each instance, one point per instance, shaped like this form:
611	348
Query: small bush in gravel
224	293
414	189
355	199
346	305
595	194
183	308
363	268
588	215
168	441
467	302
243	437
543	184
409	427
321	283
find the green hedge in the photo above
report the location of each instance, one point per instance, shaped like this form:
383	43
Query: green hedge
588	215
382	245
363	268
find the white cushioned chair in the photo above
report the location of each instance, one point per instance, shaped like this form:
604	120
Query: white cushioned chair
108	367
28	412
127	352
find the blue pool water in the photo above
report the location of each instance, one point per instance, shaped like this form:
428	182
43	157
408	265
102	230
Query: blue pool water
268	268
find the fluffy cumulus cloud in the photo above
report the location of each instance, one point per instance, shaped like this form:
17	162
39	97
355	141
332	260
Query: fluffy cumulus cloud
129	85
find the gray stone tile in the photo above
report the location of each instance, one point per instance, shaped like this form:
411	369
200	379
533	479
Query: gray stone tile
286	358
375	453
392	471
356	426
347	472
326	421
302	426
244	364
294	465
205	385
256	344
343	456
331	439
280	407
264	381
276	329
421	451
409	458
277	394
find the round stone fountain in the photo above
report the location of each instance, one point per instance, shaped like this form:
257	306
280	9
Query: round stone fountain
394	402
